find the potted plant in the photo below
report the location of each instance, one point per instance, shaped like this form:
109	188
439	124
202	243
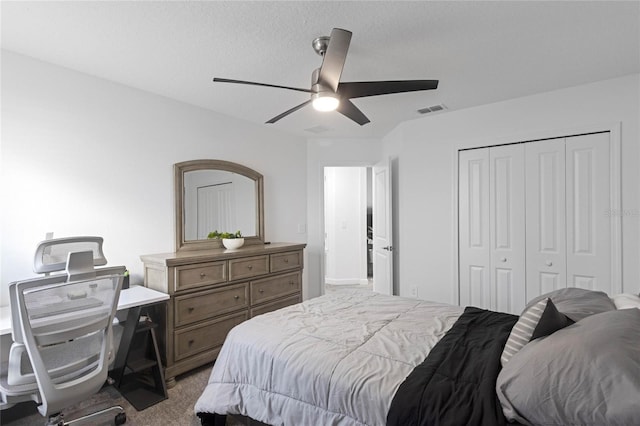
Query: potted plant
229	240
125	280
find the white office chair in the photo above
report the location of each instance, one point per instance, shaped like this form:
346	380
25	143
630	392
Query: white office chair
64	324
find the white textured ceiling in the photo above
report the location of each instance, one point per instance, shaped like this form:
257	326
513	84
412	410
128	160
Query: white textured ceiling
481	52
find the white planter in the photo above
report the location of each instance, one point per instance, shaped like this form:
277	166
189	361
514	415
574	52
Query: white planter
233	243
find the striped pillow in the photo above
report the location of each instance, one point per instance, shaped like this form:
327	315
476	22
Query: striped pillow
539	320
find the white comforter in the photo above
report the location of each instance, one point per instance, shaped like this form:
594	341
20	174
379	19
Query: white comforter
333	360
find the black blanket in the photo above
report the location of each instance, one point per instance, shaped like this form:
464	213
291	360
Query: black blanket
455	384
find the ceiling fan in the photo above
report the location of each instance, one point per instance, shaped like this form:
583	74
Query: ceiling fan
328	93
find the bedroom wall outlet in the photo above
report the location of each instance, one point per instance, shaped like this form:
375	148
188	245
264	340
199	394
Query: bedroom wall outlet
414	292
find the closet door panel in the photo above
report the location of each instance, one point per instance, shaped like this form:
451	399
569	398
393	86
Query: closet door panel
507	228
545	216
473	228
588	226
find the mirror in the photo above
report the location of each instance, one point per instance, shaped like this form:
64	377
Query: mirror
216	195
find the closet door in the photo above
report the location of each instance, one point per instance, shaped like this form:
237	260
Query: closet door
473	228
546	214
545	225
507	227
588	225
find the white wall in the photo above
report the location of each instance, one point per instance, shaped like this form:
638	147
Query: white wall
82	155
85	156
321	153
425	152
345	227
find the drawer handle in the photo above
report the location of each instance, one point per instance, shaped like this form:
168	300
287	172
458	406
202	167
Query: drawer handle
191	342
250	267
236	297
261	291
190	309
202	275
291	283
286	260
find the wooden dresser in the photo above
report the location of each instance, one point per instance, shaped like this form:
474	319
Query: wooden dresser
211	291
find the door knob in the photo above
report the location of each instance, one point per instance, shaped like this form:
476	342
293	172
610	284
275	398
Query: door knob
388	248
504	259
549	263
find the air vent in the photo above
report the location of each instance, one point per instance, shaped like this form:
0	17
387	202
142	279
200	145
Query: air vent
434	108
317	129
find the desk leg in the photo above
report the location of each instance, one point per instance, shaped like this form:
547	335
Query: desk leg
125	344
158	372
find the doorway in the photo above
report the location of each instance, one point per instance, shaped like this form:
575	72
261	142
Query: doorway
348	228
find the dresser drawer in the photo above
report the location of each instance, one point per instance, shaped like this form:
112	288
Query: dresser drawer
285	261
248	267
193	276
207	304
207	336
274	287
278	304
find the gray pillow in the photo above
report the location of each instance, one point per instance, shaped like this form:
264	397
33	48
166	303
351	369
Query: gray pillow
587	374
577	303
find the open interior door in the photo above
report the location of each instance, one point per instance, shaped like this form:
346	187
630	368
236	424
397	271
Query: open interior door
382	232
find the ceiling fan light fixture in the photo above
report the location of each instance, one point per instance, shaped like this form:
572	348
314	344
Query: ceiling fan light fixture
325	102
328	93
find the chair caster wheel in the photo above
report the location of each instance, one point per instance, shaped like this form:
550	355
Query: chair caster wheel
121	418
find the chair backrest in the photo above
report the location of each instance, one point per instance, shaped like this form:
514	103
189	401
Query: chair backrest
66	254
76	265
52	255
66	329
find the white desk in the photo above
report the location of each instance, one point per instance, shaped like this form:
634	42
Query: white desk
138	295
131	297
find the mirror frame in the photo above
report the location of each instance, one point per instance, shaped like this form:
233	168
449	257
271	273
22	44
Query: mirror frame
179	169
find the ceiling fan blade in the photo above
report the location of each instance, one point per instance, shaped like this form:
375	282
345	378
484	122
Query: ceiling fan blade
284	114
360	89
226	80
334	57
349	110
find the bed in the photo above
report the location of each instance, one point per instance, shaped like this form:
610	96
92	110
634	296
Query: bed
357	358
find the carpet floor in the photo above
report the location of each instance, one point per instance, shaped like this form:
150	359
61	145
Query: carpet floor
176	410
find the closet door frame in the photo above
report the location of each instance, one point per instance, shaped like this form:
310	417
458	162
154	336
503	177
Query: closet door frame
614	194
